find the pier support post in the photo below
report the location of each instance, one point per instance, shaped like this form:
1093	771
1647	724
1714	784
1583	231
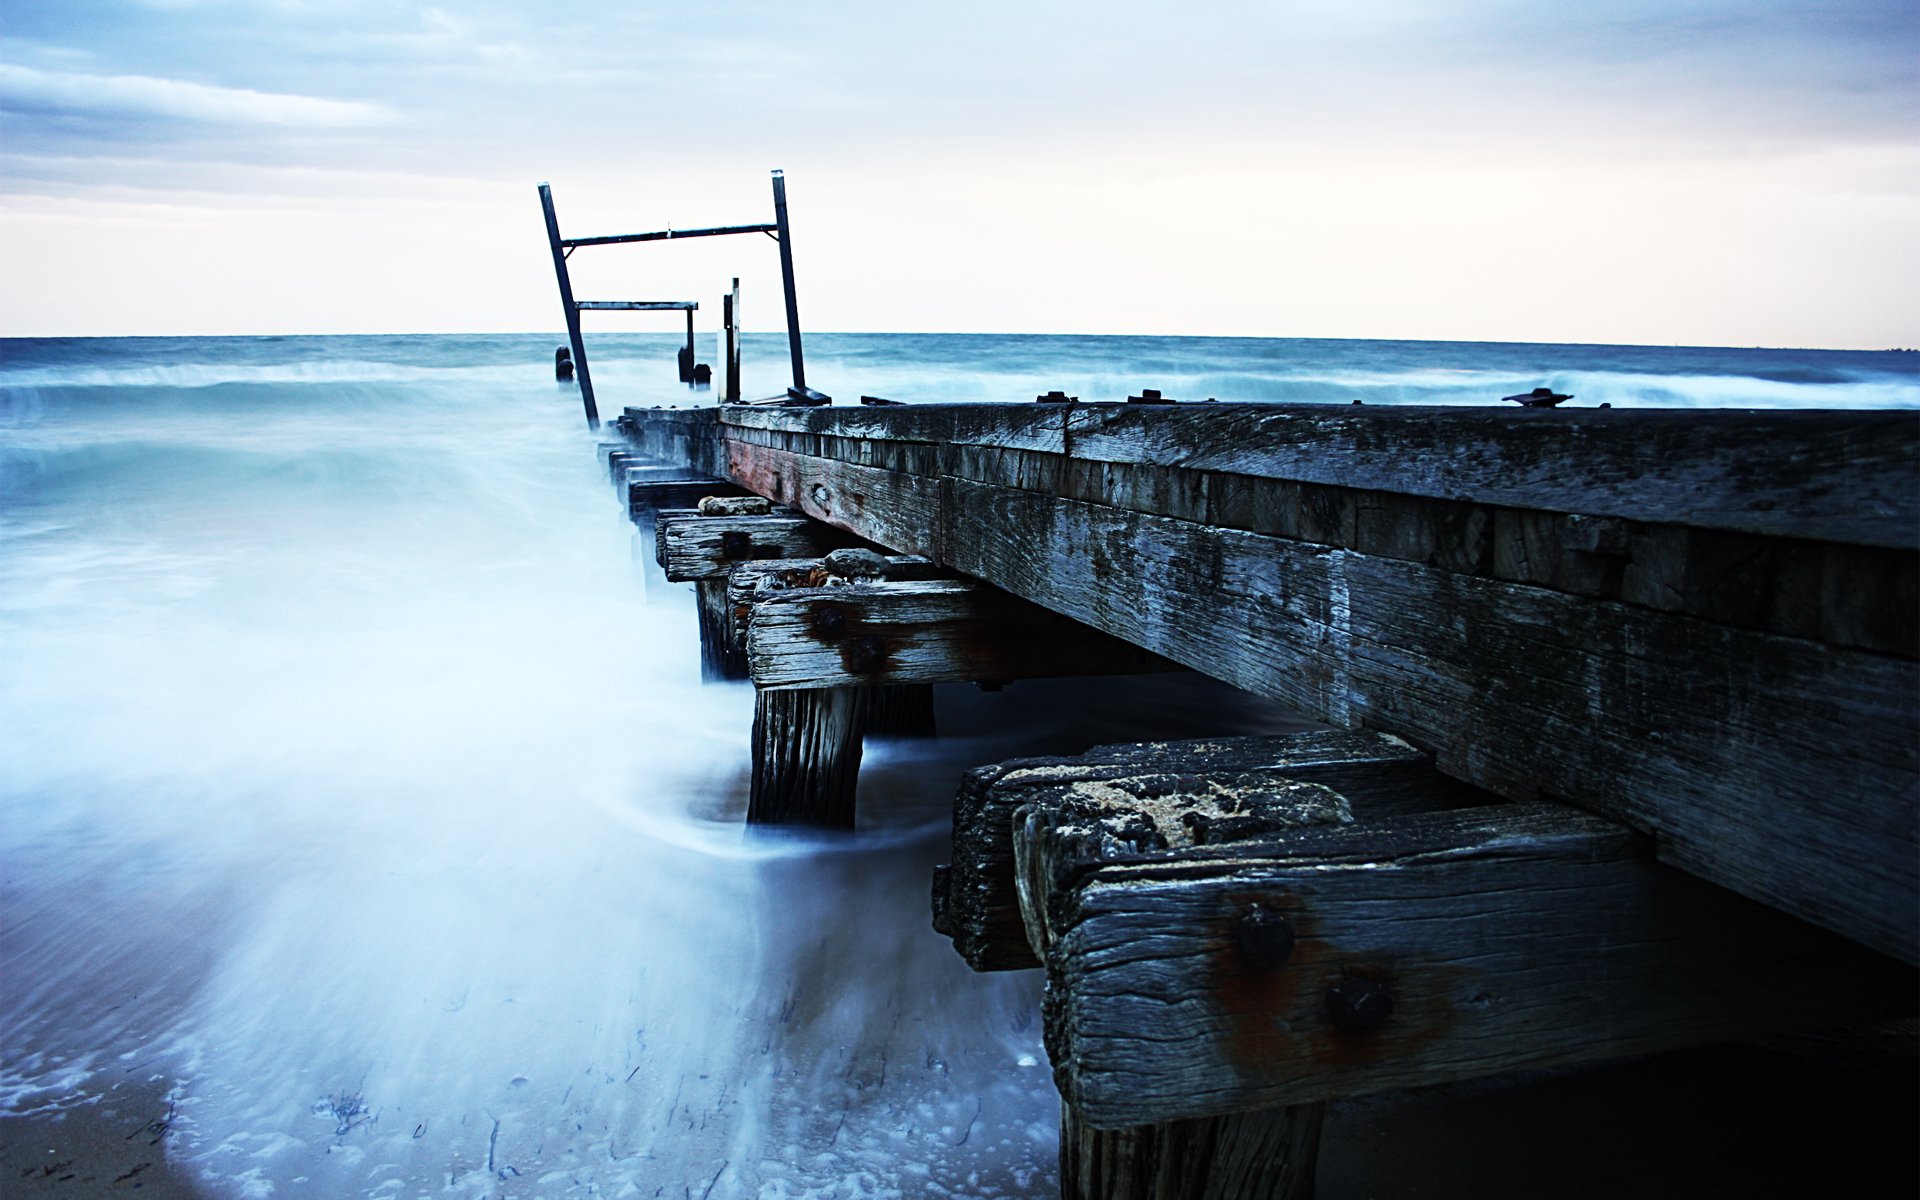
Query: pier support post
1269	1154
902	710
719	660
806	755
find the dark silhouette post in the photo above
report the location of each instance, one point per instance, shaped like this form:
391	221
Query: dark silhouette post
786	279
572	310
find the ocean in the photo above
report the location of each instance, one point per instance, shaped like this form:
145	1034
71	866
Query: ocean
365	828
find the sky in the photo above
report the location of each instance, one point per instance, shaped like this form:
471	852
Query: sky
1725	172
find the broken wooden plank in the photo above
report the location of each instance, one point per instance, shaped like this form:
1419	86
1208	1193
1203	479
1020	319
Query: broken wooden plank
1420	949
976	901
691	546
930	631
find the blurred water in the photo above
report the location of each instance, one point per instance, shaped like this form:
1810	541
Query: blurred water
356	793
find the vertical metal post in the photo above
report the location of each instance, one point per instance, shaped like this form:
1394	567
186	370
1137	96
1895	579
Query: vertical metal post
572	310
786	278
692	355
730	351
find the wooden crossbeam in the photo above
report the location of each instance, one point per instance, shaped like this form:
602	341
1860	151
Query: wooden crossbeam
648	496
1417	950
693	547
975	898
923	631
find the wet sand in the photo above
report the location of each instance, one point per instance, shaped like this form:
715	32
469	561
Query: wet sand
116	1146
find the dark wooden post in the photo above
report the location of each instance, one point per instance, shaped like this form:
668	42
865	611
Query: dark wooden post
569	307
786	278
903	710
719	659
1264	1155
806	755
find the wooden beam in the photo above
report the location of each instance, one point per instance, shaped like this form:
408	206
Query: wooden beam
1728	744
691	546
1863	597
976	901
684	437
899	711
747	580
1829	476
1421	949
649	496
931	631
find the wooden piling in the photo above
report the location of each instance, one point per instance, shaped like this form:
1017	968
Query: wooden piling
1269	1154
806	756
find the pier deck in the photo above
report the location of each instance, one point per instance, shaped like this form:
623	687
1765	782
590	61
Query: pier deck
1644	659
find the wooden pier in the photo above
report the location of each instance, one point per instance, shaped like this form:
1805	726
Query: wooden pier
1623	746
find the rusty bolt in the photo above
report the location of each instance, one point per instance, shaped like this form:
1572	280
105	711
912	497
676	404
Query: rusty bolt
829	620
1357	1004
1264	937
864	655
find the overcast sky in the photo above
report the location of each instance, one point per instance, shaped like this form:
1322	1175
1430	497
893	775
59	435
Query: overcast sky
1741	172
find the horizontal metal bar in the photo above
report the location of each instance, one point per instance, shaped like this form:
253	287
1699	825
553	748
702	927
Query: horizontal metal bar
640	305
666	235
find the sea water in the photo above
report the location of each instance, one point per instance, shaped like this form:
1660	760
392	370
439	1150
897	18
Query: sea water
360	807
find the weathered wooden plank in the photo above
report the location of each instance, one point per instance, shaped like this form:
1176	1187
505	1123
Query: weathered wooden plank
748	579
1057	834
1829	476
1862	597
688	437
645	497
930	631
1012	427
1726	743
890	509
976	901
691	546
1424	949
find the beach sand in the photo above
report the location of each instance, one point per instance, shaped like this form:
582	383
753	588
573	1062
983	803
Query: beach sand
116	1146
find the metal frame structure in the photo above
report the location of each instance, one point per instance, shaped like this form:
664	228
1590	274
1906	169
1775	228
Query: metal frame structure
563	248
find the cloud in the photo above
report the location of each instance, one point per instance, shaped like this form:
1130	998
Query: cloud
27	90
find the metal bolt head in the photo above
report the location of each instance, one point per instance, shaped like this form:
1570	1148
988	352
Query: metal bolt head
864	655
1357	1003
828	620
1263	937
